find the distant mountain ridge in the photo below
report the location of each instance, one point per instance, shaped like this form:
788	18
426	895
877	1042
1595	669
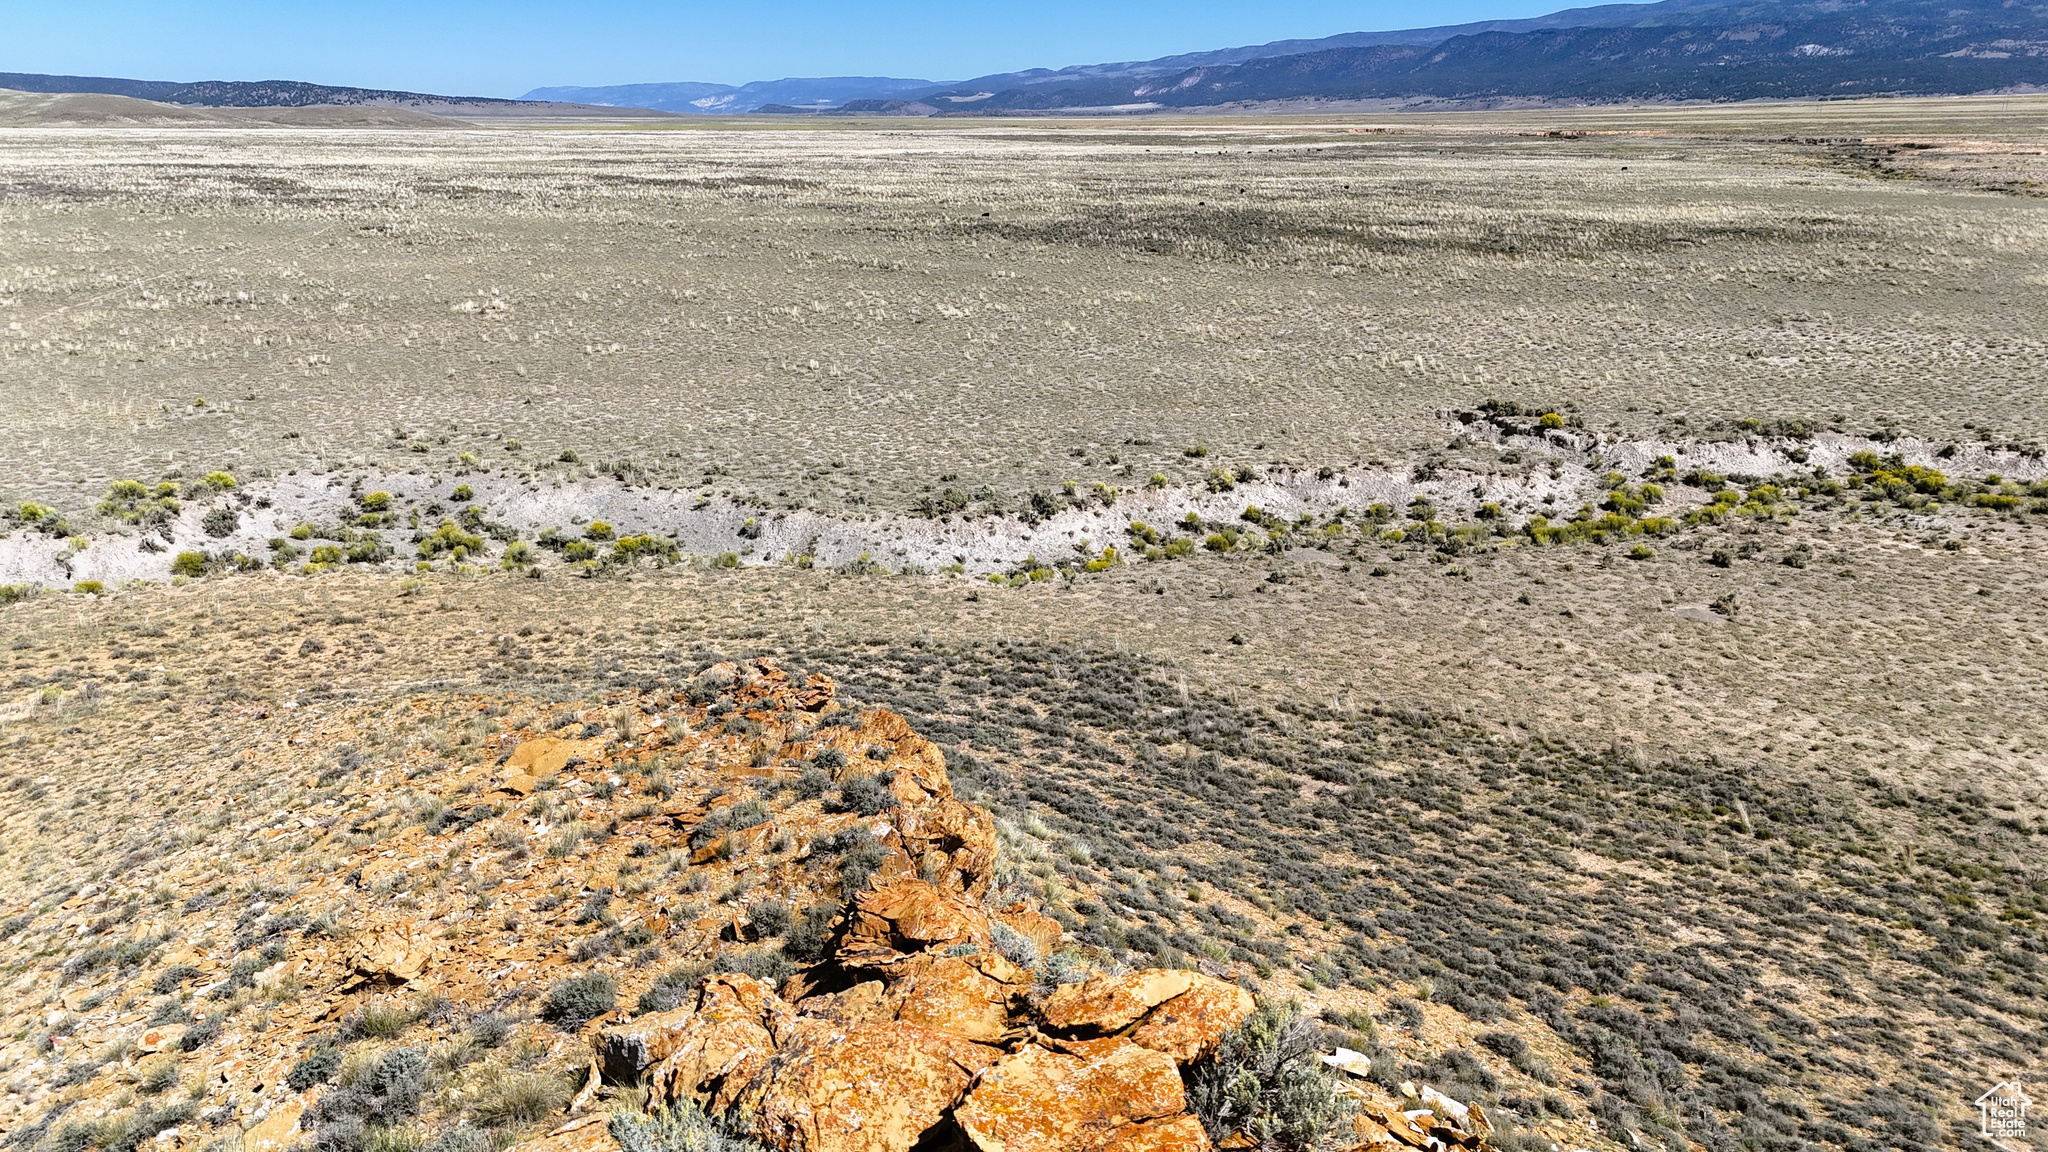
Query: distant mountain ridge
281	94
796	93
1673	50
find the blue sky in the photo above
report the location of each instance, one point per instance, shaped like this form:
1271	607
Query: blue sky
506	47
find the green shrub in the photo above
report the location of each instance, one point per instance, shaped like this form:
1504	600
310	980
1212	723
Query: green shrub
378	501
89	587
574	1002
449	540
219	481
133	502
463	492
189	564
1267	1081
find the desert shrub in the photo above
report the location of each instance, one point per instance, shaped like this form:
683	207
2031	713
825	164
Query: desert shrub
460	1140
221	521
770	917
201	1033
1266	1081
133	502
507	1097
41	517
318	1068
350	1118
189	564
770	964
814	782
172	978
684	1128
574	1002
860	863
671	990
808	938
1016	947
748	814
449	540
1516	1051
489	1030
866	795
377	1020
124	1132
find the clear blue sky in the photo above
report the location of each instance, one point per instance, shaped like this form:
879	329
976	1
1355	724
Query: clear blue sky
506	47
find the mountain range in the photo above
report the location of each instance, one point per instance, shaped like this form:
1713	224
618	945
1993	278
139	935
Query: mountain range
1673	50
1667	51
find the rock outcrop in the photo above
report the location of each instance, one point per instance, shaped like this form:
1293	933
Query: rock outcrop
929	1028
840	969
917	1029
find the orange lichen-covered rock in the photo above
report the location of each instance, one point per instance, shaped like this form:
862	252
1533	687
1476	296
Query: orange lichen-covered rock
1103	1003
1097	1097
876	1087
1189	1026
976	997
546	755
1178	1012
952	843
905	916
860	1004
728	1037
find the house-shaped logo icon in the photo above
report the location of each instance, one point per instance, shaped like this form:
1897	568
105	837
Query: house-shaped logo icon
2002	1111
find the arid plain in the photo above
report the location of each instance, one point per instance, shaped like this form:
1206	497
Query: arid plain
1559	593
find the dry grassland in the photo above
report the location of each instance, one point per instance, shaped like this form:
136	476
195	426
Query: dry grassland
1719	826
839	318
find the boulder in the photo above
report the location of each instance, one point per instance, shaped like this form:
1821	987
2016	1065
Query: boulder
906	916
1102	1003
1178	1012
625	1051
276	1130
546	755
952	843
859	1004
1189	1026
162	1038
875	1087
728	1038
978	997
1095	1097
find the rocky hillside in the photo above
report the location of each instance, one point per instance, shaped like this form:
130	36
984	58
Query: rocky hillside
723	914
